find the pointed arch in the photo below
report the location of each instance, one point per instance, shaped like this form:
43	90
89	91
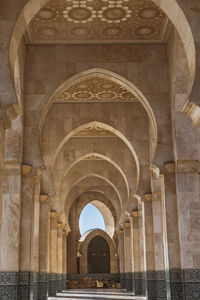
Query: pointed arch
101	156
109	128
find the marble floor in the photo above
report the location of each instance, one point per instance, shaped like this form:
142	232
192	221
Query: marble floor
93	294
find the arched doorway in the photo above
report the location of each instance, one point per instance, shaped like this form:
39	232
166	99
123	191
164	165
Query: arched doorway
98	256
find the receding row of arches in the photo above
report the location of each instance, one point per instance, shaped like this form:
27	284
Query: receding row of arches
104	130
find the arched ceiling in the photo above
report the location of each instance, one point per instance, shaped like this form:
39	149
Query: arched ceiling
90	184
85	21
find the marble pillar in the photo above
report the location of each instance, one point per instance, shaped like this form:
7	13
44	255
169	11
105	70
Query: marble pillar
36	233
128	256
136	253
10	213
160	243
142	244
121	258
25	288
150	255
59	256
188	186
64	259
53	254
44	267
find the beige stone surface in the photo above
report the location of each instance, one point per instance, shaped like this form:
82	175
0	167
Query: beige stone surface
112	124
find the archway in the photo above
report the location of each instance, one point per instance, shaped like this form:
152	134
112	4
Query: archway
84	251
98	256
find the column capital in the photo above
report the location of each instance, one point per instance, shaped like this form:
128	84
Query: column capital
135	213
170	167
65	232
59	225
127	225
192	110
157	196
53	214
137	198
43	198
26	169
148	196
155	171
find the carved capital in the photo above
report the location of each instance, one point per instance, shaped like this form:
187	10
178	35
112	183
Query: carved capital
155	171
192	110
26	169
157	196
137	198
53	214
135	213
148	196
43	198
64	232
59	225
12	112
170	167
127	225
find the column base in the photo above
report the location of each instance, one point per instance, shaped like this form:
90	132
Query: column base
161	285
151	285
52	286
25	285
8	285
138	283
64	281
122	280
35	286
59	283
42	286
130	284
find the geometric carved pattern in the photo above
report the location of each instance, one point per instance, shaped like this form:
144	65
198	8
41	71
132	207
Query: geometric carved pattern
93	130
96	90
69	21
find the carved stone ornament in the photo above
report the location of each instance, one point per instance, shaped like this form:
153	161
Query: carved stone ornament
135	213
148	197
170	167
26	169
53	214
43	198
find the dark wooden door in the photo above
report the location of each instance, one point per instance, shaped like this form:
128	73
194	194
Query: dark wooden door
98	256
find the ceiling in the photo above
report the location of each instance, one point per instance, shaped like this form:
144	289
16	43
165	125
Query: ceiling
98	21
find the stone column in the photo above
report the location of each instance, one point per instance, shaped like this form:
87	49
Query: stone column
59	256
141	223
10	216
25	288
188	187
53	254
64	259
44	247
36	232
159	239
121	258
150	255
136	253
128	256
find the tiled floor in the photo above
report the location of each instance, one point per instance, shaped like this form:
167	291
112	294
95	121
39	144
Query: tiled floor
103	294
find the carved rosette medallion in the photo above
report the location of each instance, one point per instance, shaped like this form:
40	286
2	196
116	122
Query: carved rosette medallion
69	21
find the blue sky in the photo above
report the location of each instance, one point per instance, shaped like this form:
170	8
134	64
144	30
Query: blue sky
90	218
